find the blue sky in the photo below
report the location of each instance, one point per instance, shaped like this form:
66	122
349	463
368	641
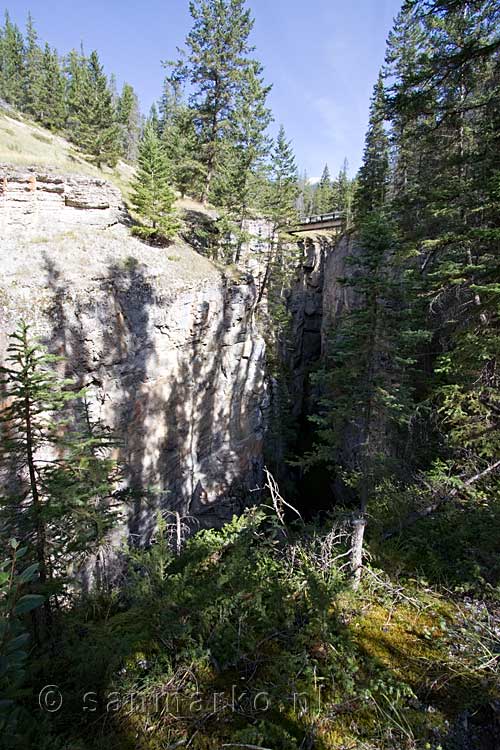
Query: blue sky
322	57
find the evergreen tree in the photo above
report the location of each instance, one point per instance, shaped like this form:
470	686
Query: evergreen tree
153	119
51	103
178	133
281	210
56	497
33	71
97	131
76	72
305	200
283	188
12	64
129	118
323	196
373	178
343	195
235	186
181	148
214	67
170	103
152	196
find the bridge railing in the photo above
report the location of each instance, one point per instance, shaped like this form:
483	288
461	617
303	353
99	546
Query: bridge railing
319	218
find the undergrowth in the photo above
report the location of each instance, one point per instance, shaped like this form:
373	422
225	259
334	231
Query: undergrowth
252	637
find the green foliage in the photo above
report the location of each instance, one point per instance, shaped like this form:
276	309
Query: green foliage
96	132
14	636
129	119
178	133
324	195
249	636
227	98
373	178
12	63
75	96
50	105
58	474
152	196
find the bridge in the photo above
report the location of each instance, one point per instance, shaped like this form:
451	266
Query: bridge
333	220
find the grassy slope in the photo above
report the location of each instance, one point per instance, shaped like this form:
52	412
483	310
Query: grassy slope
22	142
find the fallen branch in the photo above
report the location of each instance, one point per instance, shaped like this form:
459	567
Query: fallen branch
433	507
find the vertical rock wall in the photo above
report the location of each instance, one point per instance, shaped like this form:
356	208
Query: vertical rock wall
166	345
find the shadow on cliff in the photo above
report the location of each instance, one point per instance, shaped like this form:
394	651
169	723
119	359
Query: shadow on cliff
205	455
179	408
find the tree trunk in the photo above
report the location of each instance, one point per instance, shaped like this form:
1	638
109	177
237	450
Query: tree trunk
358	533
41	541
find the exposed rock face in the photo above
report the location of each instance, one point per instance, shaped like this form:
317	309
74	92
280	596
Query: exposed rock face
316	301
166	345
305	303
35	201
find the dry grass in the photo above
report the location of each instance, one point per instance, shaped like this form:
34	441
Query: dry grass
22	142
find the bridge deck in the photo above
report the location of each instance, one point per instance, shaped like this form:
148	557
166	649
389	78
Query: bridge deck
321	222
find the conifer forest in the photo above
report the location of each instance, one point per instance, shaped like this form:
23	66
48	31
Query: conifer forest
249	419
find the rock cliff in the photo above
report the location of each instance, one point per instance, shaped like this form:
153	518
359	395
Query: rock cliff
165	343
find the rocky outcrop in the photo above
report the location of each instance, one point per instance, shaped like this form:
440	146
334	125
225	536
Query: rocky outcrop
37	201
166	345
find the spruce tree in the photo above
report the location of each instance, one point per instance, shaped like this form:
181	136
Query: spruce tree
373	178
153	119
96	131
323	196
129	119
281	209
52	113
178	133
12	76
235	186
76	70
343	195
57	477
152	196
213	67
283	188
33	71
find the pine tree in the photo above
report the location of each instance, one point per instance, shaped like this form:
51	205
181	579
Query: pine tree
281	210
178	133
97	131
283	190
12	64
170	103
443	110
235	186
181	148
323	196
51	103
305	200
343	195
76	71
129	118
214	67
152	196
59	478
153	119
33	71
373	178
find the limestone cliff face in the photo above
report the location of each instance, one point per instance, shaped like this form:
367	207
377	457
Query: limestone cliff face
35	201
166	345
